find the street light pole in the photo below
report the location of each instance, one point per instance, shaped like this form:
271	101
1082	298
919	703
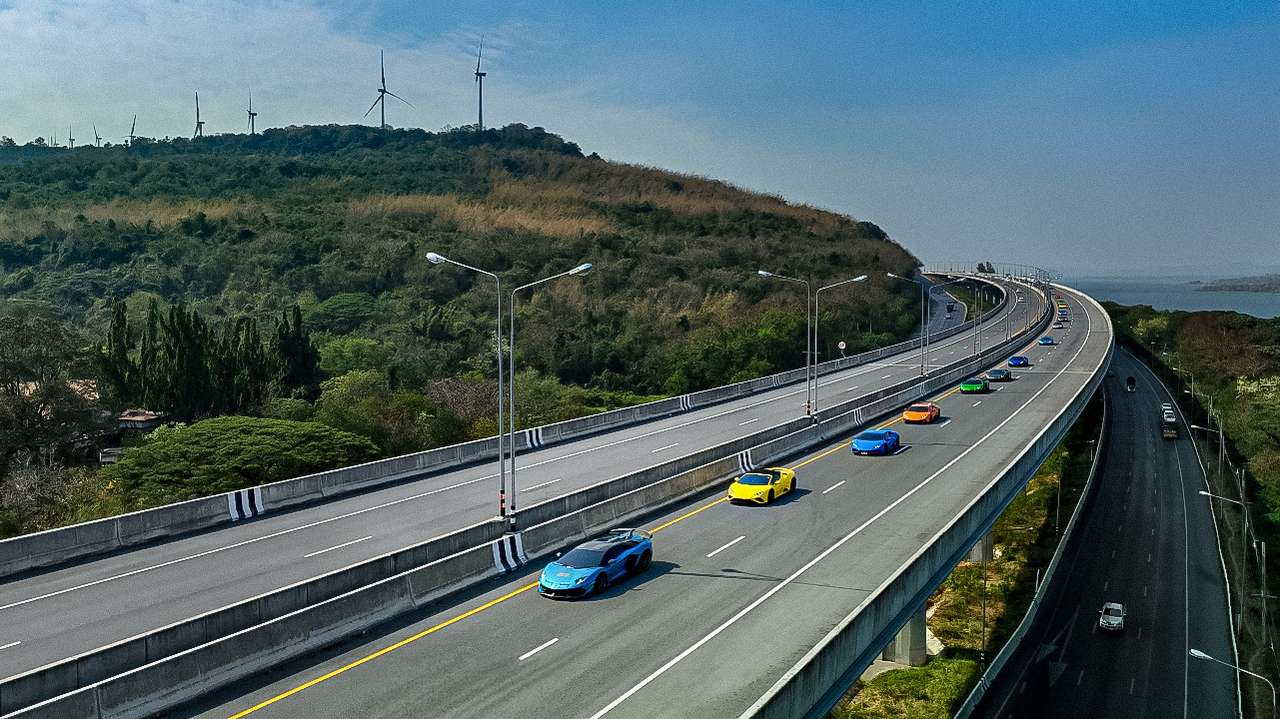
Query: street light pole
818	318
924	325
1244	544
808	334
511	385
1201	655
436	259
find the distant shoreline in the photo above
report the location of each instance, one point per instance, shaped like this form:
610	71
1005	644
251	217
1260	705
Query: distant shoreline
1266	283
1185	293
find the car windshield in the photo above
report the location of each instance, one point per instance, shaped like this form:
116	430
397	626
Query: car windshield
918	408
1112	612
871	436
973	380
754	479
582	558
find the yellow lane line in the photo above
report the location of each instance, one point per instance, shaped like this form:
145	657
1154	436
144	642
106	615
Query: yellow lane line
499	600
432	630
690	514
379	653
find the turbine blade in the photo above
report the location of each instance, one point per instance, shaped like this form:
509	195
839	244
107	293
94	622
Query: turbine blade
382	62
375	104
401	99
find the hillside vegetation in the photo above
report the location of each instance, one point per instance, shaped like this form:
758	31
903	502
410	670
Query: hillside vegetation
200	278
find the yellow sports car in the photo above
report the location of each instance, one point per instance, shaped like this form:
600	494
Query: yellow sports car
924	412
763	485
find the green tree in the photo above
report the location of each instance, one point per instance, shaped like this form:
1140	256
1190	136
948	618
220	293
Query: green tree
297	358
43	407
228	453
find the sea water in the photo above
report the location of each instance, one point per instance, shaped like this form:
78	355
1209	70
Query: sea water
1175	293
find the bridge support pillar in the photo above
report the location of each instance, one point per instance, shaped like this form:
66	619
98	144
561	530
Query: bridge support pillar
910	647
984	550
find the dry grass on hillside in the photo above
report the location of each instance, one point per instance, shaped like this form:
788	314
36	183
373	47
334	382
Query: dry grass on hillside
163	214
614	184
547	217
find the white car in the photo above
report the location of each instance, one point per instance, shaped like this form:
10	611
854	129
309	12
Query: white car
1112	618
1058	325
1166	407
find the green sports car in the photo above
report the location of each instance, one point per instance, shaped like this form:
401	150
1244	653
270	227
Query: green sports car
974	384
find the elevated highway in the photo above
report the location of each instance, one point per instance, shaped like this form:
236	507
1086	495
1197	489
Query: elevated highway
747	611
64	611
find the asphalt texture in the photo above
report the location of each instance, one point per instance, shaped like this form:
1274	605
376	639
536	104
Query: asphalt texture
1145	538
735	597
51	615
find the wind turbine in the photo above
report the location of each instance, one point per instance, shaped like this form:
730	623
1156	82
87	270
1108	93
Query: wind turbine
97	139
382	93
252	114
199	123
480	87
133	127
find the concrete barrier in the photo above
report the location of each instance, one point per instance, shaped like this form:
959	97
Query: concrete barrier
150	674
1011	645
815	683
55	546
35	686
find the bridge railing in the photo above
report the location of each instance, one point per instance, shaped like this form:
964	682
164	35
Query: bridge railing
54	546
160	669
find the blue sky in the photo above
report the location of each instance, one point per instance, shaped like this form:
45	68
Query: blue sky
1089	137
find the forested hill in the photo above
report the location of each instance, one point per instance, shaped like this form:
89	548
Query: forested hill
339	219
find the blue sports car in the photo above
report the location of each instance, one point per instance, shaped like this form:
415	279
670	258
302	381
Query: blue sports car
1046	340
1019	361
876	441
592	566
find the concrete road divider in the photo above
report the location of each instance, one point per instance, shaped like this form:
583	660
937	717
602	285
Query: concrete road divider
149	674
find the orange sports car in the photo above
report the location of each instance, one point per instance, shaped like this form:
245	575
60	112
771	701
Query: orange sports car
921	412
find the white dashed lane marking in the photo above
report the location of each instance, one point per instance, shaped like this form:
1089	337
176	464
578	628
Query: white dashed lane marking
340	546
540	486
837	484
730	544
537	649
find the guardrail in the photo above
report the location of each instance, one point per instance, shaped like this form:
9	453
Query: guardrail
151	673
54	546
1011	645
815	683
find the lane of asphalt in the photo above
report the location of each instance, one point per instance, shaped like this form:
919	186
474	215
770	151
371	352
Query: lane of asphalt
1147	541
75	609
859	517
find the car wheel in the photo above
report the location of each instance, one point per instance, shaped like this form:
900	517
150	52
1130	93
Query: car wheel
602	583
645	560
770	497
794	483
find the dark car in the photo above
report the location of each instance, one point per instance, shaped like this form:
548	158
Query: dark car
998	375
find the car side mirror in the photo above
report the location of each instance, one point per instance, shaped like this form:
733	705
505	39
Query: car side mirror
557	555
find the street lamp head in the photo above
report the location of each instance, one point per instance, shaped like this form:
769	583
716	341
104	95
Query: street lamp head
581	269
1199	654
890	274
859	278
762	273
435	259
